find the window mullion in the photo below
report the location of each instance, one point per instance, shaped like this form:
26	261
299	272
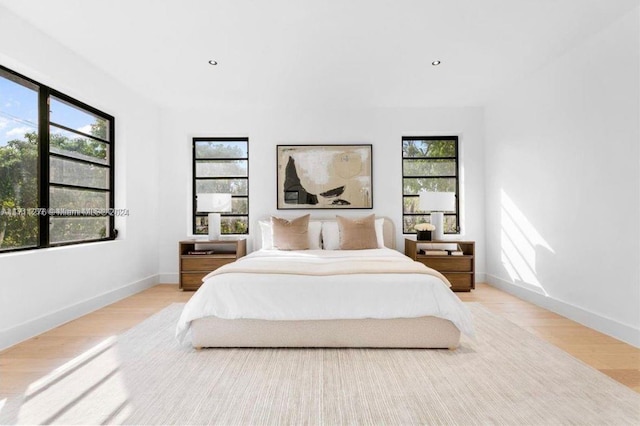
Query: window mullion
113	232
43	169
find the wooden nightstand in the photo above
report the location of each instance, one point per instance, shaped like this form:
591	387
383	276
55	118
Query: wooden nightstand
459	270
193	267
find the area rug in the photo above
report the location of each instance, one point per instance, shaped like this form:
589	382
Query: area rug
506	376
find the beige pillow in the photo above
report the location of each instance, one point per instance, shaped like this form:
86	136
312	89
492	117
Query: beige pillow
290	234
358	234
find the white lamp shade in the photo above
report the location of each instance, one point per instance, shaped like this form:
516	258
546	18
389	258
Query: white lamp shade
437	201
214	203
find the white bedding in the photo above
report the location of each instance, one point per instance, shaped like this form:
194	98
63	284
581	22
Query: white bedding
310	297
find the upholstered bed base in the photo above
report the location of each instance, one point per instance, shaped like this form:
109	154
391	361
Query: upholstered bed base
422	332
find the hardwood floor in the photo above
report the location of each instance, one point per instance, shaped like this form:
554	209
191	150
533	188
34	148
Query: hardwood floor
27	362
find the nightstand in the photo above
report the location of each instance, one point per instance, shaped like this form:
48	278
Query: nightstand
193	267
459	270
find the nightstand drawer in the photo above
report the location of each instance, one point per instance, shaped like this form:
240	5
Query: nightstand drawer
192	280
448	263
201	263
460	281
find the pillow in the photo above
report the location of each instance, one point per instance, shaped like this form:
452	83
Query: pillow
315	227
331	234
290	234
380	232
357	234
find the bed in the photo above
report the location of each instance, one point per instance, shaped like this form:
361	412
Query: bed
325	297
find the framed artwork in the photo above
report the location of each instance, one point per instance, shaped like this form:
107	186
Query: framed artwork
324	177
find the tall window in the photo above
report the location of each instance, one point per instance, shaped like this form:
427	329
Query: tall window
221	165
429	164
56	167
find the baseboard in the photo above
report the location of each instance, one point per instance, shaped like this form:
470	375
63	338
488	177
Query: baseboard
169	278
32	328
605	325
481	277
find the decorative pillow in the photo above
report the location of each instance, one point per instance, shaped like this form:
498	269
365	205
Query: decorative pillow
331	234
358	233
290	234
315	228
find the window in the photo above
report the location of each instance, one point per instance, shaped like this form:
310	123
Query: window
429	164
56	167
221	165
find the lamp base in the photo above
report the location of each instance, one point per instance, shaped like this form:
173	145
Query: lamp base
214	226
437	220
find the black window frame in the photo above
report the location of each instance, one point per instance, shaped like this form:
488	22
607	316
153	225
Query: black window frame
456	158
45	93
195	214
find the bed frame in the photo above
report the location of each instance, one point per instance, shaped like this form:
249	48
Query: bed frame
422	332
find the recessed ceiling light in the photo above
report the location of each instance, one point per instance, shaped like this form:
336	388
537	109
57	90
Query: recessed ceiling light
435	63
212	62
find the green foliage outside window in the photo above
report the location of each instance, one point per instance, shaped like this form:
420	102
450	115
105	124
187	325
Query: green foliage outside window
19	192
19	206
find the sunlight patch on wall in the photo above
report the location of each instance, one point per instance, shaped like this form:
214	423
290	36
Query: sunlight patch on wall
520	243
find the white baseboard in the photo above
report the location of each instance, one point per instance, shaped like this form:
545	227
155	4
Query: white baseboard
481	277
169	278
34	327
605	325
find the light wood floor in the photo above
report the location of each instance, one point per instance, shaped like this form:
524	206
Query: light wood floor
26	362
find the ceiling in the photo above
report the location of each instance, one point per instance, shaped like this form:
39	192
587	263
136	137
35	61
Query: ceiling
329	53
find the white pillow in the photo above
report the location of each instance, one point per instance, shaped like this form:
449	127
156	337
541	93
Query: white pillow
331	234
315	227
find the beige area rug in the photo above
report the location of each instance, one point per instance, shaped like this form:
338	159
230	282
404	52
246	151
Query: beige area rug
507	376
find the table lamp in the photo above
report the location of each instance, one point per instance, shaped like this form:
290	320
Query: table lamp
214	204
436	203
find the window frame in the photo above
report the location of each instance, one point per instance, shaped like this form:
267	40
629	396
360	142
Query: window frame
194	179
456	158
45	93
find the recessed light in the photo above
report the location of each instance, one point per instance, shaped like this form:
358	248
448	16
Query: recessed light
212	62
435	63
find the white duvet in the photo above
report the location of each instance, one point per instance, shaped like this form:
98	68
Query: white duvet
309	297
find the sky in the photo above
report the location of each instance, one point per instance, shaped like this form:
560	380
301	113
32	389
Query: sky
19	112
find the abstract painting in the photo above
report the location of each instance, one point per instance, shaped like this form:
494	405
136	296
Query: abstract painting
324	177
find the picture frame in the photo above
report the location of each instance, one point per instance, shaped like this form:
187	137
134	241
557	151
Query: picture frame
324	176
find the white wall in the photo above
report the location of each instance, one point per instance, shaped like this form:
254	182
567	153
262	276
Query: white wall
41	289
266	128
562	177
